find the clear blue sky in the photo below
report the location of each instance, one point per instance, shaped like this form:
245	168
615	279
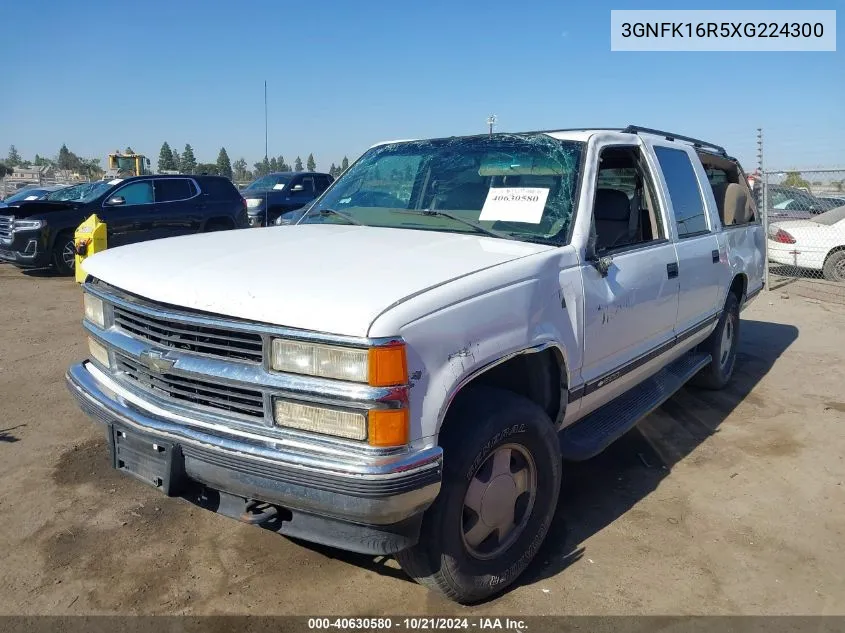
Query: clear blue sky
99	75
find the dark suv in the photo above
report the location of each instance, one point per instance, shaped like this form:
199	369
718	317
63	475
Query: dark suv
39	233
271	195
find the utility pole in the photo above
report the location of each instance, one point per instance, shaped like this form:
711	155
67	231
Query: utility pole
266	153
491	121
764	202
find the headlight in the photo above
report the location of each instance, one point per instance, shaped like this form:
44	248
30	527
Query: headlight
377	366
98	352
94	310
380	427
348	424
25	225
253	203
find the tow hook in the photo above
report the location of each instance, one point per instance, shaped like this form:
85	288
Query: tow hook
258	512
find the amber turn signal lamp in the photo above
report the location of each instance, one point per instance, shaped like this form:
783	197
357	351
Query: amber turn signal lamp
388	427
388	366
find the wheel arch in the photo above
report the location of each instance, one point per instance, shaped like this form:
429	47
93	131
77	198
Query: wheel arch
538	373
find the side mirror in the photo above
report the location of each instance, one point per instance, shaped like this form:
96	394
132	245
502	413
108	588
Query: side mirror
601	264
297	188
115	201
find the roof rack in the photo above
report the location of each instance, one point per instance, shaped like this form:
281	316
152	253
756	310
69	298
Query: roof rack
669	136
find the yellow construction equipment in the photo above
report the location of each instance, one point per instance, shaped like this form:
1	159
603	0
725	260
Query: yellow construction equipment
89	238
126	164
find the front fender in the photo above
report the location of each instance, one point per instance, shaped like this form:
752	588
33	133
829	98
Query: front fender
449	346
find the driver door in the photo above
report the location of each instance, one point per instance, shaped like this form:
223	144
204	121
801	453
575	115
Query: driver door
129	213
630	303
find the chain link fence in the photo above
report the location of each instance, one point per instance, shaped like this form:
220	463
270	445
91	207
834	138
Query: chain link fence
804	215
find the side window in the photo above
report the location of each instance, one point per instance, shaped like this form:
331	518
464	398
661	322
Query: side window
625	211
136	193
172	189
682	183
307	183
323	183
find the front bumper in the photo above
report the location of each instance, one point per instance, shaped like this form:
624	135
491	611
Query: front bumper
25	252
371	507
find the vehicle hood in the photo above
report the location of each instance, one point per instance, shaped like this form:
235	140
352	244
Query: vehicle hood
36	207
327	278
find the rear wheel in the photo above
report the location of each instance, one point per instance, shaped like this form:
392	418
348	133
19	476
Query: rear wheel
834	267
64	254
721	345
500	488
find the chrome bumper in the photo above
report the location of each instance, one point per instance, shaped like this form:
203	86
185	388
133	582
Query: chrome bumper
382	490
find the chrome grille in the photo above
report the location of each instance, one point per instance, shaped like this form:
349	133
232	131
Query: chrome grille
180	389
6	223
202	339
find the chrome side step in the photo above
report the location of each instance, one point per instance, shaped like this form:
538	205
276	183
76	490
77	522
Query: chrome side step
591	435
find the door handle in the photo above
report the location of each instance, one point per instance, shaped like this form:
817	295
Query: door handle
672	270
715	256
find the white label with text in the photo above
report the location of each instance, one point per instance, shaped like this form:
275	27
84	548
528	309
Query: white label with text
514	204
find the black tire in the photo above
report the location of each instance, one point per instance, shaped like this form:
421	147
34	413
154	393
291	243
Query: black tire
64	250
834	267
217	225
486	423
717	374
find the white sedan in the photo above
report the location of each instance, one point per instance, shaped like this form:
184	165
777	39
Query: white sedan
814	244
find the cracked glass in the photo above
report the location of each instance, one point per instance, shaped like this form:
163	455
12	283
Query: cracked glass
508	186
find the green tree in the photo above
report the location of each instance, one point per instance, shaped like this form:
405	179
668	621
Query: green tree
165	158
262	168
14	158
67	159
5	170
274	164
283	166
240	170
188	163
344	165
177	161
207	168
311	164
90	167
224	165
332	169
794	179
297	164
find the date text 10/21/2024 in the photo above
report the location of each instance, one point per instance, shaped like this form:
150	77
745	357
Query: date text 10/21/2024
417	624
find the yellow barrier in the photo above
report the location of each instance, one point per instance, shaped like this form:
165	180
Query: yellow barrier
90	238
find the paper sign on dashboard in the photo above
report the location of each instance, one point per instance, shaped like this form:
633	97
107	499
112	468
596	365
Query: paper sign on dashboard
515	204
279	187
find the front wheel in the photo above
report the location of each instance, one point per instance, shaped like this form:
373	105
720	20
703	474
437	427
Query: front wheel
501	479
721	345
64	254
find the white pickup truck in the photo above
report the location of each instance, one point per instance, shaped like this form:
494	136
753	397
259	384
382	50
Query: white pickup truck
407	369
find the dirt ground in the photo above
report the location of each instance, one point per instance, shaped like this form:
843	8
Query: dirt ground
718	503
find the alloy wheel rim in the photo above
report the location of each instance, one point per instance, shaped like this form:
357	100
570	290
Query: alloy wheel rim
499	501
69	255
727	342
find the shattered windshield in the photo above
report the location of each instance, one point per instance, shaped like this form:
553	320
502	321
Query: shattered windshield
267	182
84	192
508	186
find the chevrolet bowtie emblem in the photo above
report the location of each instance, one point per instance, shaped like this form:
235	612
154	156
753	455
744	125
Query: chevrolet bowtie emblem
156	361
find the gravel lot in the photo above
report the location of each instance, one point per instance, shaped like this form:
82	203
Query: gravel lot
719	503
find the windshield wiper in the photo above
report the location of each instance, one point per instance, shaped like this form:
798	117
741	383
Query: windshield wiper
341	214
457	218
